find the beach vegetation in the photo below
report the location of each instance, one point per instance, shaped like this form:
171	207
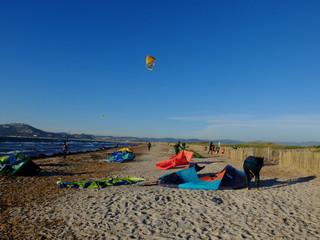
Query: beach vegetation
255	145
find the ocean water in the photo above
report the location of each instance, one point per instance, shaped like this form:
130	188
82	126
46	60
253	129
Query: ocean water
39	147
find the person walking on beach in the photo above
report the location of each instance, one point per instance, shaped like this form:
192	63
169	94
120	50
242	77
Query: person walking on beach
177	148
211	147
252	167
65	150
217	149
149	146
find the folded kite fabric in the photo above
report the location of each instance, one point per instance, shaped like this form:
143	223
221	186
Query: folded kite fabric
18	165
182	158
100	183
121	157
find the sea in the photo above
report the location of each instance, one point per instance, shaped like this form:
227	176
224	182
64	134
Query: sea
33	147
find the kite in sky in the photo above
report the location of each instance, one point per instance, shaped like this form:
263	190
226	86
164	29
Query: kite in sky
150	61
102	116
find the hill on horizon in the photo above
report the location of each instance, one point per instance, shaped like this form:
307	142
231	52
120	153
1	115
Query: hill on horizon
26	131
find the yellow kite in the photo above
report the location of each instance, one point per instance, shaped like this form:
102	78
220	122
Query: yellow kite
150	61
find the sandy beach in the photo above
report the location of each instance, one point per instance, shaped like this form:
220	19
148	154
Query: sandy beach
287	206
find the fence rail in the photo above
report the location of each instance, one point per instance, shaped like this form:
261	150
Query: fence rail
304	159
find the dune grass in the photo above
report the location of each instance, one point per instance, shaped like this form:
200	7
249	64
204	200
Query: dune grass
257	145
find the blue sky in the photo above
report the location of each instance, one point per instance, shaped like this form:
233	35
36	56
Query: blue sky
244	70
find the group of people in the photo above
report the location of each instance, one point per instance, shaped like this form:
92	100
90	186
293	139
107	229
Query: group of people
216	149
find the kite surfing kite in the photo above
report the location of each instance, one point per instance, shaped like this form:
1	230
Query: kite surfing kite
183	157
100	183
150	61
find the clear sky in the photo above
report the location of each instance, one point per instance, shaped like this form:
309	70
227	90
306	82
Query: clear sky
237	69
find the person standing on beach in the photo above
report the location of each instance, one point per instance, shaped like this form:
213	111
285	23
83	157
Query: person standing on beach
252	167
184	146
217	149
149	146
65	150
211	147
177	148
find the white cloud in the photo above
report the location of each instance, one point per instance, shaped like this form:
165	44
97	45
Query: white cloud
251	128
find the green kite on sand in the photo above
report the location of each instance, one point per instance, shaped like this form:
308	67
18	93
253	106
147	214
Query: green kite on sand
195	154
18	165
100	183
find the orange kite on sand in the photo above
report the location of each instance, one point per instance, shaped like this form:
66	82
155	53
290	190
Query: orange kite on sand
183	157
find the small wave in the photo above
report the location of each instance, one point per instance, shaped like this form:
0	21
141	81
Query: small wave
36	148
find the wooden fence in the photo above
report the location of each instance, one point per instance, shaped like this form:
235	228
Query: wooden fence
305	159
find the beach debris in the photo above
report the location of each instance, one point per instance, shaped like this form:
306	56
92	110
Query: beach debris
150	61
149	183
218	201
275	211
283	220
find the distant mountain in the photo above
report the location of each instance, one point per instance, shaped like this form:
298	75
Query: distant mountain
24	130
21	130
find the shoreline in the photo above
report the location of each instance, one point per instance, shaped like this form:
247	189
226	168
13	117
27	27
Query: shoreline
286	207
36	148
99	150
